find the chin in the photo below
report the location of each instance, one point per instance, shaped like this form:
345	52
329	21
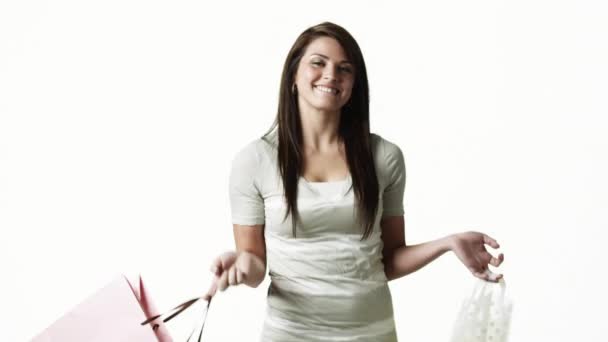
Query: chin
328	107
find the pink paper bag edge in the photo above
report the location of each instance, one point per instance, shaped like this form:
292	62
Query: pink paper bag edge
147	306
161	334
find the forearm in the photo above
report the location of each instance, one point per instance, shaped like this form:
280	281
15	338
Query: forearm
408	259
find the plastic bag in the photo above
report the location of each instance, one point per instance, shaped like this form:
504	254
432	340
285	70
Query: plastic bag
485	315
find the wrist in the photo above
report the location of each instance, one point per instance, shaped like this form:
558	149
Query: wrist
448	243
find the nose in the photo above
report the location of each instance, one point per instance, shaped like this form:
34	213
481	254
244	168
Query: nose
330	73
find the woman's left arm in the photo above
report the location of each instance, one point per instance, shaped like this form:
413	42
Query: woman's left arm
400	259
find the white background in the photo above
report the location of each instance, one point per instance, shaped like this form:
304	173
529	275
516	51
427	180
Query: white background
119	120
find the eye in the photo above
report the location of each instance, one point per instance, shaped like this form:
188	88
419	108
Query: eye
346	69
317	63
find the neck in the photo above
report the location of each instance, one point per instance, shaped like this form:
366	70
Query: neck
320	129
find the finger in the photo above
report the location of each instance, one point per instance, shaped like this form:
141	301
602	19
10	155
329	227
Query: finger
494	261
222	263
490	241
494	277
240	277
216	266
480	275
222	281
232	276
227	259
488	275
499	260
212	290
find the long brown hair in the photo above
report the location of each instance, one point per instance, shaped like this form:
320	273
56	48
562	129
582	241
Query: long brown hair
353	128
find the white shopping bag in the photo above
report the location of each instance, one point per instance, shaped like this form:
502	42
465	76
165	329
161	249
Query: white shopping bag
485	315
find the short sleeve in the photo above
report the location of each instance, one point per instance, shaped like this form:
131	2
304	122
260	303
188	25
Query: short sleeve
392	197
246	201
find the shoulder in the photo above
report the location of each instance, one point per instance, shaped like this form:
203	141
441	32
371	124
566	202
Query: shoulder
388	159
385	149
247	153
256	152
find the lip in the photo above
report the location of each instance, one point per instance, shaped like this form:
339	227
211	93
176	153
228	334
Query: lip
338	91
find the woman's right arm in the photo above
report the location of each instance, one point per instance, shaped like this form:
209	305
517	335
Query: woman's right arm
246	265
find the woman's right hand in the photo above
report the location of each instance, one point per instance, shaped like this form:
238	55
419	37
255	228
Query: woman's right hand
234	268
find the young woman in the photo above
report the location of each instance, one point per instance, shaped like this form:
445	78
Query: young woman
319	199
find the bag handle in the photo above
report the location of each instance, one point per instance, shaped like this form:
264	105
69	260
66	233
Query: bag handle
167	316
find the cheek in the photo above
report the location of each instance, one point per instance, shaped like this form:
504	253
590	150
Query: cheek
348	82
309	75
349	92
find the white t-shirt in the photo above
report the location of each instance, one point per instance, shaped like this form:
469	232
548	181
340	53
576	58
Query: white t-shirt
326	284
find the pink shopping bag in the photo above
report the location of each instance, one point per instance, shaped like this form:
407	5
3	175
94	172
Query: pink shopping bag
113	314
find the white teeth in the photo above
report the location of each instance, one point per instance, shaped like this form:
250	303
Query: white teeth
327	90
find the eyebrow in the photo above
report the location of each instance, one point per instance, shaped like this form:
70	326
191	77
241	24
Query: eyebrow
325	57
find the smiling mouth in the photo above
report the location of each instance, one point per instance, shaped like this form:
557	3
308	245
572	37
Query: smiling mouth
327	90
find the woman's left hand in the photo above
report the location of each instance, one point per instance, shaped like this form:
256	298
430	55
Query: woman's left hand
470	248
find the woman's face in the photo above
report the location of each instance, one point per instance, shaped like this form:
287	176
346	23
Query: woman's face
324	77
